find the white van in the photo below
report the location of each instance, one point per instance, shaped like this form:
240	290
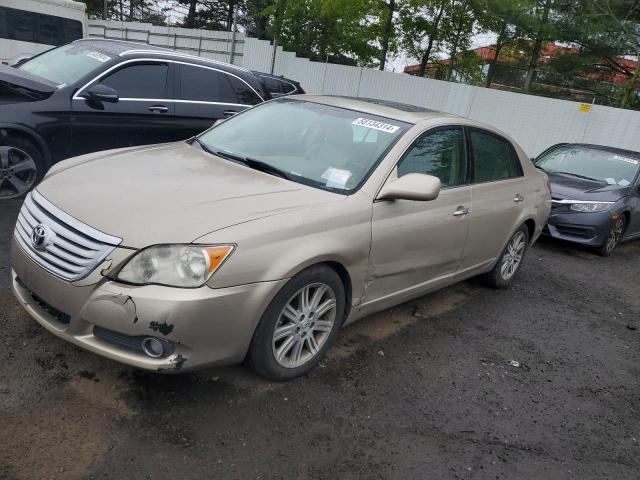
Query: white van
28	27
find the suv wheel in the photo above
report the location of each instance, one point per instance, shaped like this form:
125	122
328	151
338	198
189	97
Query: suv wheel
21	166
299	325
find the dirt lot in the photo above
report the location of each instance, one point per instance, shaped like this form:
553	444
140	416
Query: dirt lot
422	391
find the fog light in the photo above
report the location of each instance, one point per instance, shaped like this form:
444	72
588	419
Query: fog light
154	347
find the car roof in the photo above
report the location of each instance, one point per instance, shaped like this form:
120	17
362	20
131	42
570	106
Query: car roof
274	77
384	108
593	146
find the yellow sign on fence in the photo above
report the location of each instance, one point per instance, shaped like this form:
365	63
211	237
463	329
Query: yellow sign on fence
585	107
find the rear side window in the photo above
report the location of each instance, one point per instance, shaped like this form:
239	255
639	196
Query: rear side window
493	158
145	80
36	27
440	153
244	93
206	85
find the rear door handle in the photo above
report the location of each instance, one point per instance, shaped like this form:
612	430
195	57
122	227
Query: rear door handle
158	109
229	113
461	211
518	198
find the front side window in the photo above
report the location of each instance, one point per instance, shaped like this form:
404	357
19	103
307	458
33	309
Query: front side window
205	85
66	65
319	145
604	166
440	153
493	158
145	80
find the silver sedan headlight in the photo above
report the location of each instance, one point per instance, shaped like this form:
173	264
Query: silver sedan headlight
591	206
185	266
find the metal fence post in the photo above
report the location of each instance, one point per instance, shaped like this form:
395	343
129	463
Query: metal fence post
273	57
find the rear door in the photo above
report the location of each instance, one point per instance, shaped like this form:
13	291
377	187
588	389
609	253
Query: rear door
498	189
415	243
205	94
142	115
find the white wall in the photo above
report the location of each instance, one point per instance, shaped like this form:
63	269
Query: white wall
534	122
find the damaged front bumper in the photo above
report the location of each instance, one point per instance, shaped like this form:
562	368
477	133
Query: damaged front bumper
203	326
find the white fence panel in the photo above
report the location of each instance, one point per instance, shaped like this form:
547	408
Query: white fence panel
534	122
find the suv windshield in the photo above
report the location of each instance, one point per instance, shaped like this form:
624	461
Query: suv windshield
319	145
601	165
65	65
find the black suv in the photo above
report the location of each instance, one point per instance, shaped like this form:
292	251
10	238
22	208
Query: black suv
93	95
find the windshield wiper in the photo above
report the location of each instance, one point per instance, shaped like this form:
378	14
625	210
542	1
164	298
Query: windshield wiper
579	176
251	163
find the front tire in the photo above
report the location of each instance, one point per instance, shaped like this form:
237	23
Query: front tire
299	325
614	237
510	260
21	167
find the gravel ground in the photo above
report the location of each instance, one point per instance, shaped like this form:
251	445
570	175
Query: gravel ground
424	390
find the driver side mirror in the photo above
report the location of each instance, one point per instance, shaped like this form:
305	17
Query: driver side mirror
101	93
413	186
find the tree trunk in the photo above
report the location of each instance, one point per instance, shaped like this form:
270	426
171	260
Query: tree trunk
121	10
454	48
496	54
427	53
230	15
190	21
131	7
537	46
388	28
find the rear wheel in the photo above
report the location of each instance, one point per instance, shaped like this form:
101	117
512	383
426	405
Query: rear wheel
510	260
615	235
21	167
299	325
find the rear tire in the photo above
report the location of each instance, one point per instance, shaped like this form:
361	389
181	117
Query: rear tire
22	166
614	237
510	260
299	325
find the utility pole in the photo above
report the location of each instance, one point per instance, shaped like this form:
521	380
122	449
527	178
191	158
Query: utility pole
104	9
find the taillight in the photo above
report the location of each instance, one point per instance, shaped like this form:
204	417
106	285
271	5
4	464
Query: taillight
549	185
301	90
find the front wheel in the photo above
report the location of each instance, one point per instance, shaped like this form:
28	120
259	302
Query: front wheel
21	167
510	260
614	237
299	325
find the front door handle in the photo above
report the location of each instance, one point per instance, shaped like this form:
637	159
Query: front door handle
518	198
229	113
461	211
158	109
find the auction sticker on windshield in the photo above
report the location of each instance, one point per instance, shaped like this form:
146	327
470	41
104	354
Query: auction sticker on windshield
376	125
101	57
335	177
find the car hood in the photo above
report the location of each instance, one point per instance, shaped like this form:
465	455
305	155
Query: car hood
17	85
172	193
574	188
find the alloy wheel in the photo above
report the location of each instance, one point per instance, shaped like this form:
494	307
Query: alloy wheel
513	256
304	325
615	235
18	172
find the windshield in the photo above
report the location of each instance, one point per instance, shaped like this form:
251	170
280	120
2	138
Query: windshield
607	167
65	65
319	145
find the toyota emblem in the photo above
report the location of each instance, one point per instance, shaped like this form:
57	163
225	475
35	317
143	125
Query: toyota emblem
40	236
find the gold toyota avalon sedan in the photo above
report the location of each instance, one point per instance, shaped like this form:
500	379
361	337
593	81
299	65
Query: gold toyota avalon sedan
261	237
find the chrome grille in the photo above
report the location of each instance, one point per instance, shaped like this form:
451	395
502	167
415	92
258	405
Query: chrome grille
73	249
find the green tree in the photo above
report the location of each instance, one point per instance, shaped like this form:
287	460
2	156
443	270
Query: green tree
420	24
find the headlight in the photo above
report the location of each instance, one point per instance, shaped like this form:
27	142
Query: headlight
175	265
591	206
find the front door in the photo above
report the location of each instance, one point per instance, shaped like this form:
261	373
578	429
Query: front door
498	189
414	243
142	115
